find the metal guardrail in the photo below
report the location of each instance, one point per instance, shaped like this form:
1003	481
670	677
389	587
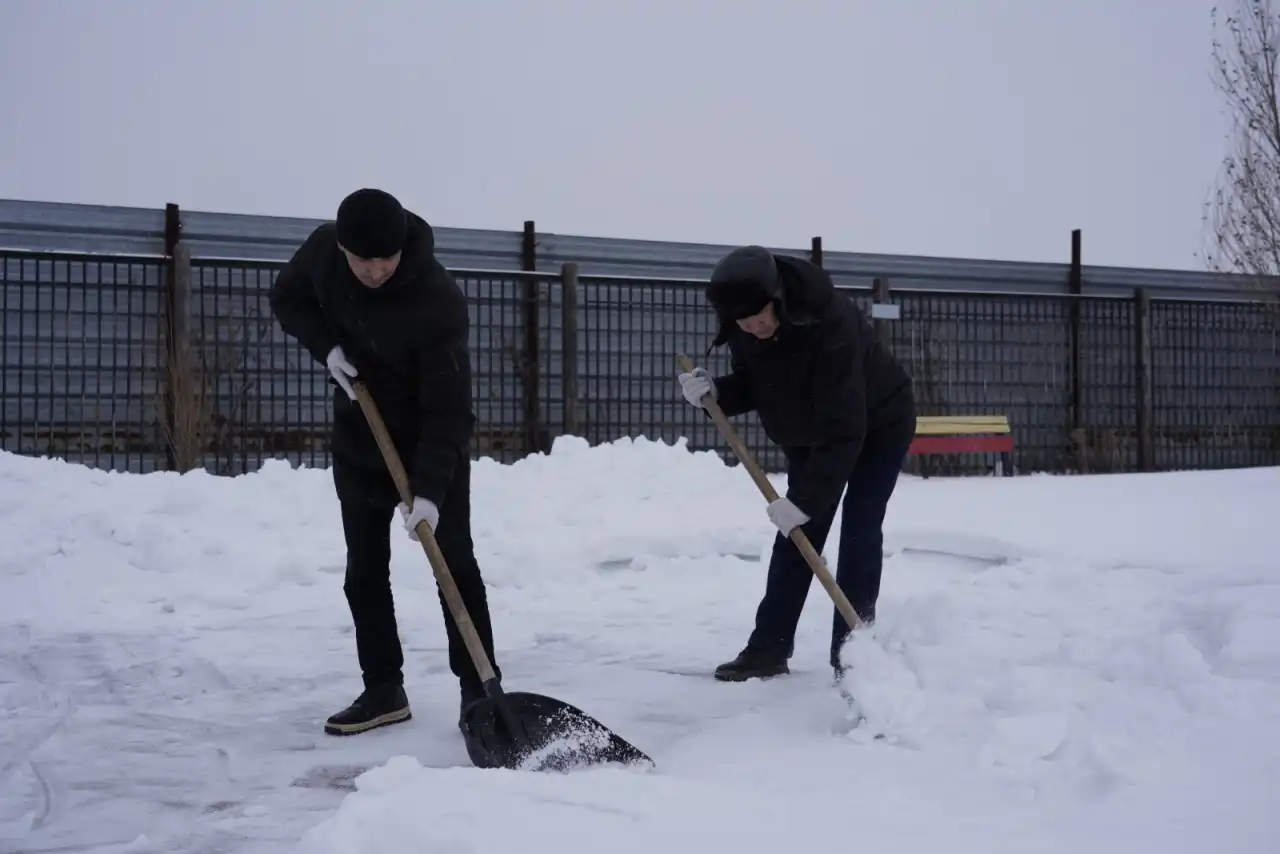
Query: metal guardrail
53	227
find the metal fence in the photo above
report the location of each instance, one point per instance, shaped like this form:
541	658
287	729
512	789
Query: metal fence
90	367
271	399
81	363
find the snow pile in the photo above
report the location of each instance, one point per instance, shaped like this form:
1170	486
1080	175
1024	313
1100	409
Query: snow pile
1060	663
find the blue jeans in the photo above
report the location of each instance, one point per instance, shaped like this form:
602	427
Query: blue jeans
859	564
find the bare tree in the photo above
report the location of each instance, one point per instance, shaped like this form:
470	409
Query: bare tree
211	390
1243	213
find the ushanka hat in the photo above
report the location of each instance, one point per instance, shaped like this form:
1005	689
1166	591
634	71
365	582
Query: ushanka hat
372	224
744	282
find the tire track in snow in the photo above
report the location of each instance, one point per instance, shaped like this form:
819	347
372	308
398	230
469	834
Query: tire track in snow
47	800
45	682
24	673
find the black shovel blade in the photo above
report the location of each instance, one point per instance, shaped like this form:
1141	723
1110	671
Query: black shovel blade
550	735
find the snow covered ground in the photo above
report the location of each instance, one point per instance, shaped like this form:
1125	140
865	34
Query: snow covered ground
1061	664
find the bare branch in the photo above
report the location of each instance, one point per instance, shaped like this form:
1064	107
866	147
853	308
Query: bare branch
190	405
209	387
1243	213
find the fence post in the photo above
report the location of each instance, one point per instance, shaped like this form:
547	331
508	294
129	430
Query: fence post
569	344
815	251
530	356
1075	287
1143	379
183	381
174	352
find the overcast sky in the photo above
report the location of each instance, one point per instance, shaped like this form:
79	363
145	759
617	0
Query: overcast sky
976	128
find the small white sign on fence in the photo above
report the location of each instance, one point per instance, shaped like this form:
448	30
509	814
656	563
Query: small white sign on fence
886	311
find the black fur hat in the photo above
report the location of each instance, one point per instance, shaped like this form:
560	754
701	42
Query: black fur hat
744	282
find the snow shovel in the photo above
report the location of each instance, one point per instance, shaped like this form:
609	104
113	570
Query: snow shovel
811	556
517	730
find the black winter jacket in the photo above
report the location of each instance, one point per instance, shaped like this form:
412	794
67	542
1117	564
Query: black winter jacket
408	340
823	382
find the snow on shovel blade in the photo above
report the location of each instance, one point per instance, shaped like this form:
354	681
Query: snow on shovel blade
553	736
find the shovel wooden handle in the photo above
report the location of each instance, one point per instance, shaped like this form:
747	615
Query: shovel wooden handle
811	556
435	557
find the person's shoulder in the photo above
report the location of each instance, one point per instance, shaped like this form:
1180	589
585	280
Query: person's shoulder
323	236
844	319
440	301
450	300
440	288
318	247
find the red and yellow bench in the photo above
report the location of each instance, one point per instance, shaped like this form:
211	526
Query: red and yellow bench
964	434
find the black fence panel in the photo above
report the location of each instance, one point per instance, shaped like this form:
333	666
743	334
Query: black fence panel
630	332
1104	437
255	393
990	354
269	399
1216	384
81	365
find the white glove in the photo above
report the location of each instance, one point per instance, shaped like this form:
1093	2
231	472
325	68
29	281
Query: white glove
422	509
342	370
784	515
696	384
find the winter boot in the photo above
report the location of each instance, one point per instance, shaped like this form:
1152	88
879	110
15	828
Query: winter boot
376	706
753	664
470	694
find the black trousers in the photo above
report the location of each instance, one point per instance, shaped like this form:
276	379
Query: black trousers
859	565
367	516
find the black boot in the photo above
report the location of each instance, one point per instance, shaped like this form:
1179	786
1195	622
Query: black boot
470	694
753	664
376	706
